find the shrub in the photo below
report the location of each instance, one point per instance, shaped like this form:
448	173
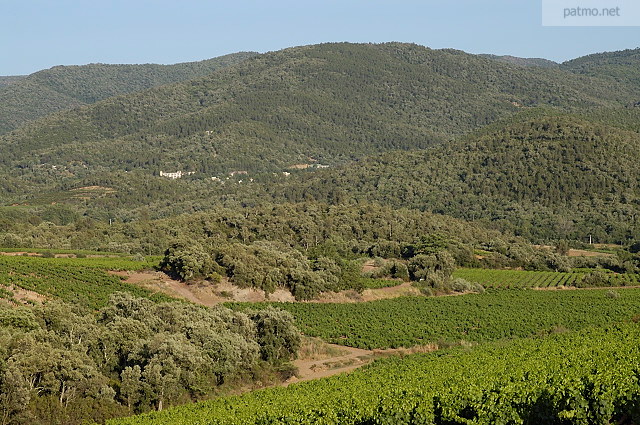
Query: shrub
612	294
187	261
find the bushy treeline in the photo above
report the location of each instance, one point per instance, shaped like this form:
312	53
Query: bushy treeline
306	247
60	364
311	248
348	229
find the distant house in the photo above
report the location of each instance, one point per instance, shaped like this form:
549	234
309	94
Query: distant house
237	173
176	175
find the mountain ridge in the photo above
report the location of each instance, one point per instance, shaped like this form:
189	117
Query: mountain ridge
62	87
333	102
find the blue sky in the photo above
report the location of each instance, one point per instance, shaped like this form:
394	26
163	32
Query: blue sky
38	34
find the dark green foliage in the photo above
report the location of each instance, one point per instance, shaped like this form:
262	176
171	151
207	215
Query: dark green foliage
23	99
62	364
621	66
545	178
187	260
278	337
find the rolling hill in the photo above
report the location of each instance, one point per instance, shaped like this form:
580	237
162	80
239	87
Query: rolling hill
621	66
526	149
26	98
325	103
542	175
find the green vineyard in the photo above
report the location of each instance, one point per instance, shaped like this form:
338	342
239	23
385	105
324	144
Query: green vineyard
410	321
589	377
510	279
78	280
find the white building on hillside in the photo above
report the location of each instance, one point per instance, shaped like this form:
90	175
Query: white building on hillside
176	175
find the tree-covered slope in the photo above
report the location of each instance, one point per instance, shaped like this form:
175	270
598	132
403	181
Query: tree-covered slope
621	66
543	176
324	103
514	60
23	99
10	79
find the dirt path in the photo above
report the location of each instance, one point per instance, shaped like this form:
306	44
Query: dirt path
337	359
573	288
23	296
585	253
351	359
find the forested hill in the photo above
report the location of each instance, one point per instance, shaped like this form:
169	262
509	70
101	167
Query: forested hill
514	60
543	177
62	87
622	66
326	103
10	79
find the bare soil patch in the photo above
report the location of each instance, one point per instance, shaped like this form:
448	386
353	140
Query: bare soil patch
203	292
585	253
24	295
209	294
369	266
330	359
15	254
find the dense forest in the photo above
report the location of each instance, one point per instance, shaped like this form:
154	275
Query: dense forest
26	98
542	177
316	104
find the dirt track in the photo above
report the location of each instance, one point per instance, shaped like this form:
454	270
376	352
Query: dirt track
341	359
